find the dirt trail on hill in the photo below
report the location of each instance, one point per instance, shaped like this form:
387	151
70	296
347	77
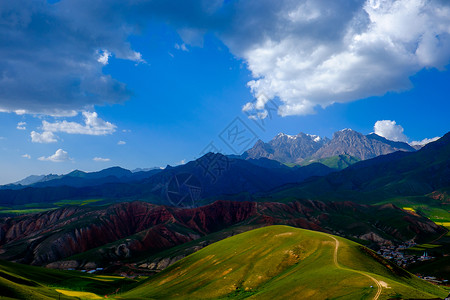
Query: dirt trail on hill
335	260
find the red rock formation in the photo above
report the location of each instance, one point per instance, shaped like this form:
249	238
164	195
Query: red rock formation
136	227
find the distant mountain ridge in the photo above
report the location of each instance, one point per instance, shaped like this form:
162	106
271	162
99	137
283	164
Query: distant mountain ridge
79	178
297	148
211	175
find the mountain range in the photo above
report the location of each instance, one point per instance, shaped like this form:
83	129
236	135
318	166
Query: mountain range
346	147
184	185
298	148
215	176
382	178
79	178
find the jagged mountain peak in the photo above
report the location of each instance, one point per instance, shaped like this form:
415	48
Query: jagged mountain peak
296	148
346	133
282	135
287	148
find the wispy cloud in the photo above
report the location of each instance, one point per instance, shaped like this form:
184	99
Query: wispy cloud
101	159
181	47
28	156
424	141
121	143
93	125
21	125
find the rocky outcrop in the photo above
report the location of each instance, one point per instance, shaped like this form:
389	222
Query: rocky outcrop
372	237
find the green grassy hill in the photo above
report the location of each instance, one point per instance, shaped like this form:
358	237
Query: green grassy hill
19	281
281	262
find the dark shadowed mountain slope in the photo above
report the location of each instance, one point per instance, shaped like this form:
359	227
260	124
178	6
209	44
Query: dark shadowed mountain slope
398	146
338	162
208	176
79	178
129	229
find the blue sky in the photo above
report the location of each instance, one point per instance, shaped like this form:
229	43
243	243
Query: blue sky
93	84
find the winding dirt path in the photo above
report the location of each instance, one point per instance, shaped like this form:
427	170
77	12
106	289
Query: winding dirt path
335	259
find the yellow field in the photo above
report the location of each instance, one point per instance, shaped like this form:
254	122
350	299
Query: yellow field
81	295
446	225
409	209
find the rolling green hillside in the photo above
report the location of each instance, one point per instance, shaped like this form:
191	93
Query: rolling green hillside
281	262
19	281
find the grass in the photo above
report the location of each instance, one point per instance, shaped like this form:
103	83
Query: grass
23	211
423	247
82	295
30	208
28	282
433	209
281	262
77	202
271	262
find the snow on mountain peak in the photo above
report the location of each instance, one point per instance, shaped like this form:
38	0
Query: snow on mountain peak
286	135
346	129
314	137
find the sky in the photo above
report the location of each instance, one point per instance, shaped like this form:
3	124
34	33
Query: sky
90	84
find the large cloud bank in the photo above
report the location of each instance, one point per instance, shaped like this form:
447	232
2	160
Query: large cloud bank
308	53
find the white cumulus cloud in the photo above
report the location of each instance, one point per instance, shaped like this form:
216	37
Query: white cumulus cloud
28	156
394	132
59	156
121	143
316	53
45	137
101	159
93	125
390	130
